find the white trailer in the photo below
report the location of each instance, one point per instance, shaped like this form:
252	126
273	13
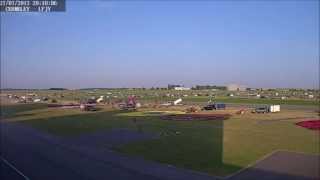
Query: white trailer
176	102
36	100
101	99
274	108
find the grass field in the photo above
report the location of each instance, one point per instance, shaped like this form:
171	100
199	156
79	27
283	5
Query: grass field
160	96
257	101
215	147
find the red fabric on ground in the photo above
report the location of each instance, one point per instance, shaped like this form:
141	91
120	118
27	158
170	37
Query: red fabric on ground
310	124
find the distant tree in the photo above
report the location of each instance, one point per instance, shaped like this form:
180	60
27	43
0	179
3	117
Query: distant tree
203	87
58	89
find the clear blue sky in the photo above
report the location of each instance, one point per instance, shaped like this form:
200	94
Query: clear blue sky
135	44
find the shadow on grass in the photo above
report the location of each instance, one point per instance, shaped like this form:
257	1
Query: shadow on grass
191	144
196	145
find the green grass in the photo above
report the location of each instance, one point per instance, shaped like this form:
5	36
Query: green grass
223	148
215	147
256	101
75	124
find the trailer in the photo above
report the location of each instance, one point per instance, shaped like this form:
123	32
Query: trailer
274	108
100	99
176	102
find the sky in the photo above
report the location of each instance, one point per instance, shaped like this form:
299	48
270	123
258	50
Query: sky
268	44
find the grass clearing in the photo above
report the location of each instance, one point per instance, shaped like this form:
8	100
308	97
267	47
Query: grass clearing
214	147
256	101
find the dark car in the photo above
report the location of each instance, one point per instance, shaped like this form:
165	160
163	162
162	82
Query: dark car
88	107
261	110
215	106
125	106
208	107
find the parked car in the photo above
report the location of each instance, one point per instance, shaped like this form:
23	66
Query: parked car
88	107
214	106
219	106
208	107
263	109
267	109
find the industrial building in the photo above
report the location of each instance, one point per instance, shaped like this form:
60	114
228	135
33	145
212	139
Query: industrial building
181	88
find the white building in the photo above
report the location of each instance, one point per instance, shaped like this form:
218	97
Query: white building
181	88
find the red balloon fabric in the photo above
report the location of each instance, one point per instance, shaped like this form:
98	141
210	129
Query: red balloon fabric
310	124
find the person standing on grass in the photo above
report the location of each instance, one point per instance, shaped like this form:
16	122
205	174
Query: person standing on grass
139	127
